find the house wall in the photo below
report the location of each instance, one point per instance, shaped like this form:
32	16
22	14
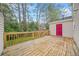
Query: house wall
52	29
67	27
1	32
76	23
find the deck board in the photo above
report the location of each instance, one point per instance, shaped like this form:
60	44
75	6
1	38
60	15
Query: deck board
44	46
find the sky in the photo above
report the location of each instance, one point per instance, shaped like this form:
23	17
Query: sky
65	9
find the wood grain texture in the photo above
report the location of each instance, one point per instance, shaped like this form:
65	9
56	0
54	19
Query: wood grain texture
44	46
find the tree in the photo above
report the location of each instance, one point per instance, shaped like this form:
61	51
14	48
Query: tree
19	14
24	17
9	18
53	13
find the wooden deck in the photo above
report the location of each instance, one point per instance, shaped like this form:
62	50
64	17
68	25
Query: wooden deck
44	46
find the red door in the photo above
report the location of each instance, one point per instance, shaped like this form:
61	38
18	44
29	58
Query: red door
59	29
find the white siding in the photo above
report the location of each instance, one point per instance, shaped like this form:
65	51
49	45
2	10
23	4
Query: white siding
52	29
76	6
67	29
76	23
1	32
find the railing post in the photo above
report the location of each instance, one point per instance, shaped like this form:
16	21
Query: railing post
11	36
13	39
4	40
33	34
9	40
38	33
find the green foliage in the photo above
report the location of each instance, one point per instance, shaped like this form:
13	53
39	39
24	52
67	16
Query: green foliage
11	18
33	26
10	21
53	13
47	26
12	26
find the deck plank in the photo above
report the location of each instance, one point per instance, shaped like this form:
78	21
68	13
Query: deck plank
44	46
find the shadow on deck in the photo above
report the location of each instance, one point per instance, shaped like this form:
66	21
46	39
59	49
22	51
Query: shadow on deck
44	46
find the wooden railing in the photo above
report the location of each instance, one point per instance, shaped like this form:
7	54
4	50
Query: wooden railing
12	38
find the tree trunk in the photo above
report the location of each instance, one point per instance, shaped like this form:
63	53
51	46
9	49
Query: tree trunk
19	14
24	17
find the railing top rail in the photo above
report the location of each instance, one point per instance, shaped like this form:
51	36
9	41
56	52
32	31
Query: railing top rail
7	33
